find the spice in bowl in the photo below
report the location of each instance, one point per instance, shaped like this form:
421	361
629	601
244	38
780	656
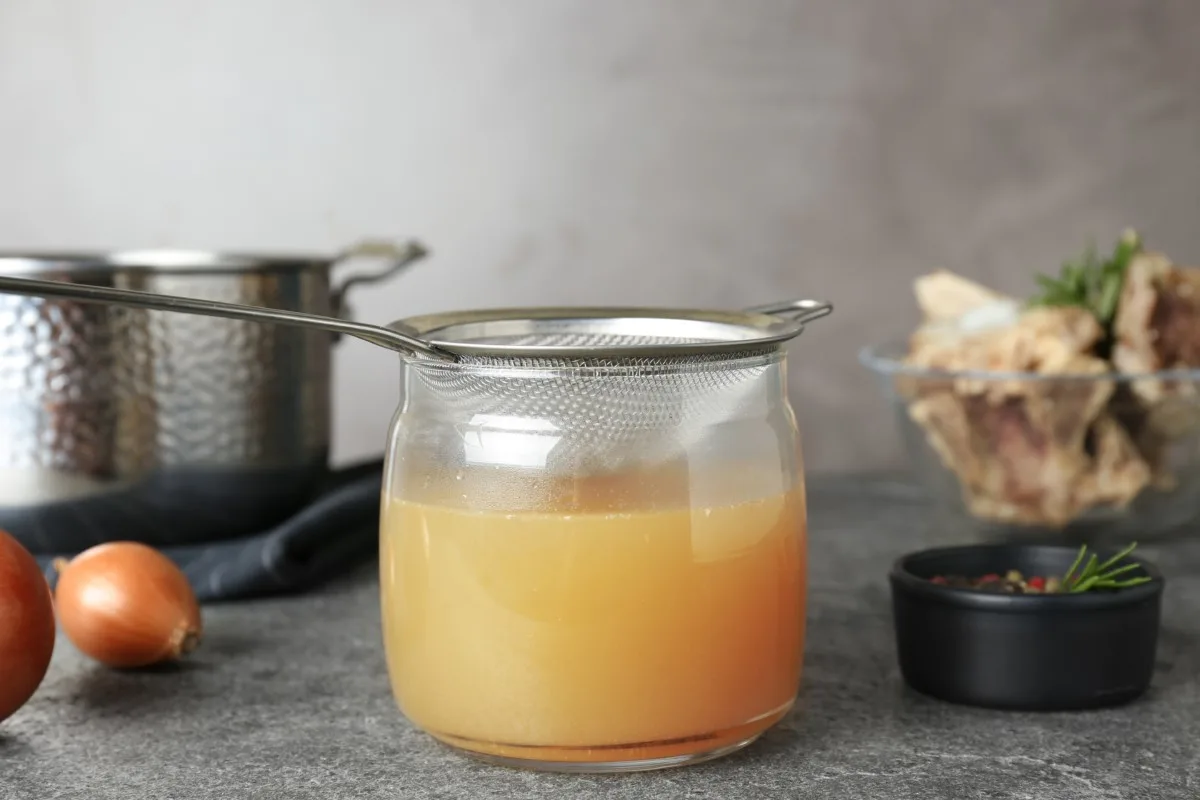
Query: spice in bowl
1085	575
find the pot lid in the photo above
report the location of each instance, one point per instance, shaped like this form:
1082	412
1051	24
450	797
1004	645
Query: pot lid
206	261
35	262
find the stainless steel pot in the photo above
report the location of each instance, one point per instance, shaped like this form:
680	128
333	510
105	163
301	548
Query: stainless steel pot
130	423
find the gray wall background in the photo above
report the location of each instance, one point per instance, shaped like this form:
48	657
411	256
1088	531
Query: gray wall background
573	151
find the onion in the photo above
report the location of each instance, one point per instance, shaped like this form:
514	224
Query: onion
26	625
127	605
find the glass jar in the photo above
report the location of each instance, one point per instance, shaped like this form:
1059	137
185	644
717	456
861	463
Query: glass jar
595	562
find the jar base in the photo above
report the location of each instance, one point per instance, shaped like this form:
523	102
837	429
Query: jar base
638	757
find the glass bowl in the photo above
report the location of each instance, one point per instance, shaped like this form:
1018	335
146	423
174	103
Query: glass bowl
1009	456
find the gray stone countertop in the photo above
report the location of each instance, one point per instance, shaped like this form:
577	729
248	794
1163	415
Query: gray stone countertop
289	698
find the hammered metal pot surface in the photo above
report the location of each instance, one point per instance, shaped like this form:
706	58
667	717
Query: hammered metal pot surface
161	427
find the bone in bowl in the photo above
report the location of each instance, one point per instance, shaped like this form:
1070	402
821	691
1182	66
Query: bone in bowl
1073	414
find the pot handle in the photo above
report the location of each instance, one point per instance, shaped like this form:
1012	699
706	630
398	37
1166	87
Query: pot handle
802	311
399	256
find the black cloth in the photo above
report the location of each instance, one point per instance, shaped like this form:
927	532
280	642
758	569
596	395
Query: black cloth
338	530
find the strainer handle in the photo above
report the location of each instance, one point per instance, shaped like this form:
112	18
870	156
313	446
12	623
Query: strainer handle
107	295
797	310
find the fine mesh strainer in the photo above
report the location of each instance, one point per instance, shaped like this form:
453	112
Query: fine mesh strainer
609	381
616	386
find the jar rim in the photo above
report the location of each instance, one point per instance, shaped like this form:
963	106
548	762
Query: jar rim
552	368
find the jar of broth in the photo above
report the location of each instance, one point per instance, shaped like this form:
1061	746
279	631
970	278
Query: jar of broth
593	534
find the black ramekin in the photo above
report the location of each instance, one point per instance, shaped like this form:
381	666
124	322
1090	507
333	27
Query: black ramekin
1022	652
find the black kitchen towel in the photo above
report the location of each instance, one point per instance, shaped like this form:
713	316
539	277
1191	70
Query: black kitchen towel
337	531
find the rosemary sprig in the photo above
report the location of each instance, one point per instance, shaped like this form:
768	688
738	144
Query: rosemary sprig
1091	282
1100	575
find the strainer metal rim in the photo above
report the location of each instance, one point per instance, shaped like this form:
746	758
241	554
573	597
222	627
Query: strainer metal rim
765	329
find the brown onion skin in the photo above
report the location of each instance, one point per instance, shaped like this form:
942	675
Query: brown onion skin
26	625
127	605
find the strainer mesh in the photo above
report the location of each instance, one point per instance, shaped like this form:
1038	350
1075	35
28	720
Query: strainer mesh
607	412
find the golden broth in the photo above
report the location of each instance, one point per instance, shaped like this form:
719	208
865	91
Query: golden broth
595	635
